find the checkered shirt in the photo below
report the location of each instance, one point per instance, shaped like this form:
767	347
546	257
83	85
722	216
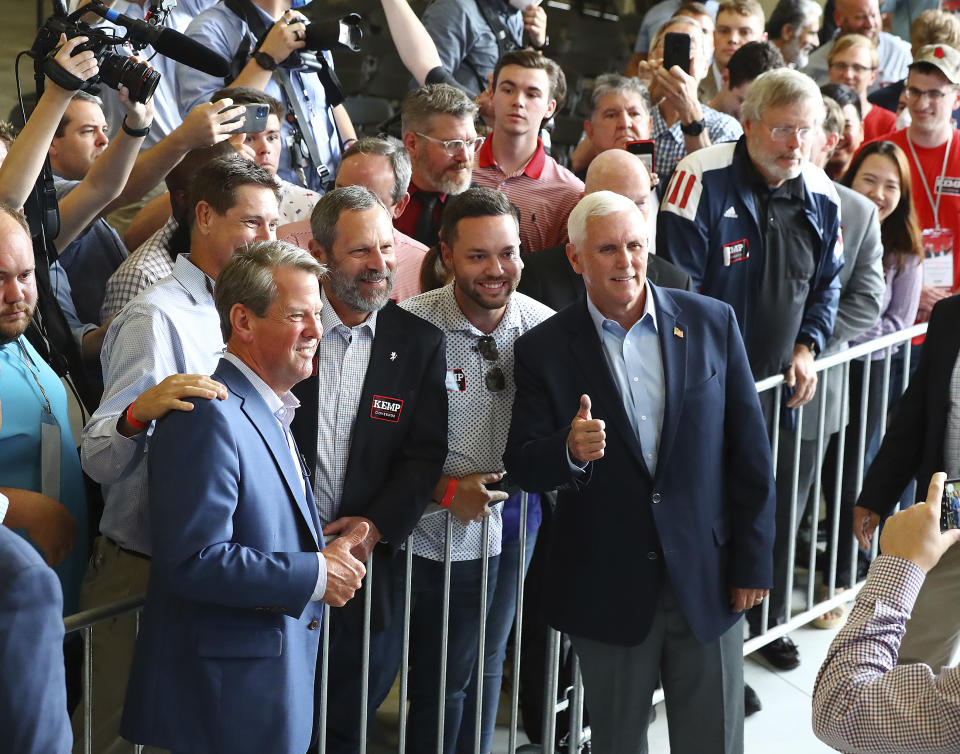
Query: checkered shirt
670	147
342	359
144	267
862	700
478	420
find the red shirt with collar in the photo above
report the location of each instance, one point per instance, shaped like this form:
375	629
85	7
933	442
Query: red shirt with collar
543	191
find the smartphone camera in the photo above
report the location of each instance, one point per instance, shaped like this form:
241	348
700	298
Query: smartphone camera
950	505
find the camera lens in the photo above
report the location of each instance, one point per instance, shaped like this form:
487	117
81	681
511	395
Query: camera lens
140	79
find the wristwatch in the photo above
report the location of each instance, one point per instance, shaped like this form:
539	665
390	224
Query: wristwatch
265	61
694	128
811	344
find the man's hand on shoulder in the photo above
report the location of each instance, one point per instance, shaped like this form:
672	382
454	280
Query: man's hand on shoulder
914	534
347	524
167	396
587	437
802	375
344	571
472	499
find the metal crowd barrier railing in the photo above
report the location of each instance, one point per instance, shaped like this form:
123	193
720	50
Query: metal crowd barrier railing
571	699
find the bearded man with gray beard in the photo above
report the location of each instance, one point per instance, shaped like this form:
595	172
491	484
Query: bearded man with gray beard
372	427
440	137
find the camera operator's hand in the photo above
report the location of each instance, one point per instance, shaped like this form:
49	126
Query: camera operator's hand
138	114
204	125
535	24
83	65
285	36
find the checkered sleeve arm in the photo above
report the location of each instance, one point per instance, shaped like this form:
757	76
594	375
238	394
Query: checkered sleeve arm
862	701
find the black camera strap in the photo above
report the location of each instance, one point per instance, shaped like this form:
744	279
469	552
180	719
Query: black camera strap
302	144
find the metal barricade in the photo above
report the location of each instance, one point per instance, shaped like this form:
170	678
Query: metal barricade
571	700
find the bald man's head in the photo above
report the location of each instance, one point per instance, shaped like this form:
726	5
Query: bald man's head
622	173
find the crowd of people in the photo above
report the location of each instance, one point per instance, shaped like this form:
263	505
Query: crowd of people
253	373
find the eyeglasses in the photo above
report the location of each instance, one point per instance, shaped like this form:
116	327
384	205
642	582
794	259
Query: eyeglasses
494	379
855	67
782	133
935	95
453	147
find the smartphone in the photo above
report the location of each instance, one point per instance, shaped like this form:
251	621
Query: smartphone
950	505
643	148
253	120
676	51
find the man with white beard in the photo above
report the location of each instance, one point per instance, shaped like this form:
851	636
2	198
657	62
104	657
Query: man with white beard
794	27
756	224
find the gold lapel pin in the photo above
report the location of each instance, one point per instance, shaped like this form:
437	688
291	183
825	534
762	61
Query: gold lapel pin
678	333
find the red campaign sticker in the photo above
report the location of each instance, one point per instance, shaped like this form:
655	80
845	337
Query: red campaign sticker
386	409
736	251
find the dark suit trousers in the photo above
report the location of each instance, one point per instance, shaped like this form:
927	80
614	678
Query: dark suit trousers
343	700
702	685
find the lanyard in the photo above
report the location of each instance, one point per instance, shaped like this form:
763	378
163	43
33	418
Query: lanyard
935	205
25	358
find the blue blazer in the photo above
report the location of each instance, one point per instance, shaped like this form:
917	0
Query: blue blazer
33	693
227	652
705	519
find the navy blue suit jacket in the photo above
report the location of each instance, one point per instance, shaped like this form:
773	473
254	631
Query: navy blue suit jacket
706	515
227	652
33	694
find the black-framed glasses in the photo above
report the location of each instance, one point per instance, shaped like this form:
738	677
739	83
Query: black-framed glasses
494	379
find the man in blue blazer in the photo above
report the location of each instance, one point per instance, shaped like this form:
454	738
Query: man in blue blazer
227	653
33	693
664	526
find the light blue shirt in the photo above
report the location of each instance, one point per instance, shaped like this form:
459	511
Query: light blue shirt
637	369
220	30
167	111
283	409
170	328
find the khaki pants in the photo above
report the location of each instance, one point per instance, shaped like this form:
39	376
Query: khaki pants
933	631
112	575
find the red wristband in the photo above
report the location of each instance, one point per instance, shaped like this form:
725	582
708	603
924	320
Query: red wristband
133	422
448	495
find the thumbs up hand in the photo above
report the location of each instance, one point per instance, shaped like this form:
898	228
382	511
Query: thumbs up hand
344	571
587	437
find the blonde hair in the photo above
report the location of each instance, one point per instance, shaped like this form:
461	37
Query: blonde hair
849	41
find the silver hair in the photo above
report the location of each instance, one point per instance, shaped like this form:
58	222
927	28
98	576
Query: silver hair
614	83
778	88
434	99
326	212
396	154
597	204
248	278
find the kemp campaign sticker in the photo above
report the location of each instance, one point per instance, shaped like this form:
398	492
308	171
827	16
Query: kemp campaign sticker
734	252
386	409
